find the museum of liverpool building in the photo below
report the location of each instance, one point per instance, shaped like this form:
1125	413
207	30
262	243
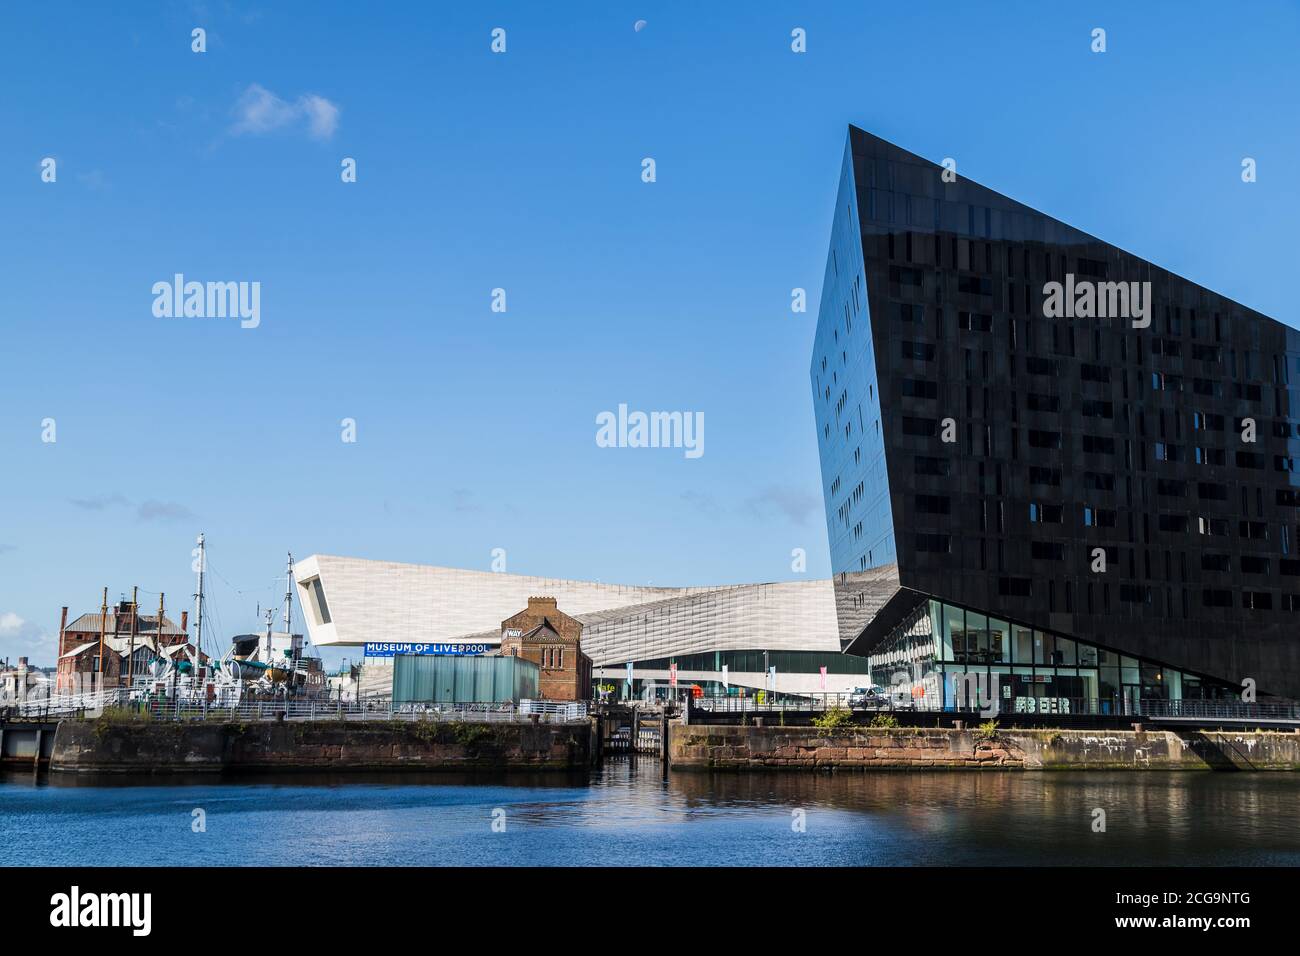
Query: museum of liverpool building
784	638
1082	471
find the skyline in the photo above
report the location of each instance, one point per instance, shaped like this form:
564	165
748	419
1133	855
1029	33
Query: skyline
678	300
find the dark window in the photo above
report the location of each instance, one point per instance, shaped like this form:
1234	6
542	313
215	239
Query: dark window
1211	491
1045	476
1216	597
1174	523
1048	551
1098	481
934	543
1216	562
924	427
933	504
1015	587
932	466
1257	600
920	388
903	276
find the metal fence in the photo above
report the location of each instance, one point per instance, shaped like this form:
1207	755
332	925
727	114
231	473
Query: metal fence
1223	709
359	711
1022	706
562	709
738	705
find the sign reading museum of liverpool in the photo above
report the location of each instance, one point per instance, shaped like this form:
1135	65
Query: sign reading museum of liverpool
388	649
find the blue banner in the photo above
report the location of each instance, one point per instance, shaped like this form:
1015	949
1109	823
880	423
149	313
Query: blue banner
389	649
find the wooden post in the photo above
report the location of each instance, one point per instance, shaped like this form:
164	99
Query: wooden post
135	616
663	734
157	631
103	623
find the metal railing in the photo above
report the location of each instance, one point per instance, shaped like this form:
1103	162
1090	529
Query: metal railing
1223	709
69	705
371	709
1010	708
565	710
734	704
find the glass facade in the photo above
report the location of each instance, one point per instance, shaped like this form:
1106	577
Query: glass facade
786	662
463	680
944	657
846	398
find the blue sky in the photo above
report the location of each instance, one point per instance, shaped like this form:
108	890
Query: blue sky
522	170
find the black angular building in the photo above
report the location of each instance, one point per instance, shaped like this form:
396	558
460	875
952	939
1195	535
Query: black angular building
1085	469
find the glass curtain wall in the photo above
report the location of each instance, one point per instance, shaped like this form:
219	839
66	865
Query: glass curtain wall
950	657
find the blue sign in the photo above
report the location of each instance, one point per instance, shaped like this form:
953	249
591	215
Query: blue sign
390	649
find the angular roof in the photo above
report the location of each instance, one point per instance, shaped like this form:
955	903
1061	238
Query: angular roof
146	624
544	631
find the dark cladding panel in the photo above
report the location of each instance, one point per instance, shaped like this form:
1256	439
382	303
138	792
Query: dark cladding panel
1072	436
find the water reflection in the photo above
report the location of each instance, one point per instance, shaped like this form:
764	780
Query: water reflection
626	813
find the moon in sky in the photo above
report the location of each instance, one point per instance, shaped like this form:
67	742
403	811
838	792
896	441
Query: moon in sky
639	26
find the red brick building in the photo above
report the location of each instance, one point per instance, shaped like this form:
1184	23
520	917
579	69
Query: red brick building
79	645
552	640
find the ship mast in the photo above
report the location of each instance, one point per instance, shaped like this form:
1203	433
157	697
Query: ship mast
198	611
288	604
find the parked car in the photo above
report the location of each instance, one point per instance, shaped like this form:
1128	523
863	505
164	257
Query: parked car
900	697
867	698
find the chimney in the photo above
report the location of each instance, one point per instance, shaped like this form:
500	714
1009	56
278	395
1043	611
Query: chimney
185	621
541	604
63	626
22	663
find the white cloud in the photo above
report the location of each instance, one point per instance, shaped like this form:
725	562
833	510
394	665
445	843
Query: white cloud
21	638
259	111
163	511
322	115
151	510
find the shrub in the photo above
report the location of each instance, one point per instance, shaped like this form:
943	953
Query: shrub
886	721
832	720
987	730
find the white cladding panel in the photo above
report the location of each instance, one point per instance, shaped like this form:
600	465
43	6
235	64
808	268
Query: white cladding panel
386	601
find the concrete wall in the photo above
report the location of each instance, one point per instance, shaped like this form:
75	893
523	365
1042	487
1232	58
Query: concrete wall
764	748
21	740
161	747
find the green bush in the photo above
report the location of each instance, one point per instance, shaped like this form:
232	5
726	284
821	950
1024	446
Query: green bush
832	720
987	730
886	721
